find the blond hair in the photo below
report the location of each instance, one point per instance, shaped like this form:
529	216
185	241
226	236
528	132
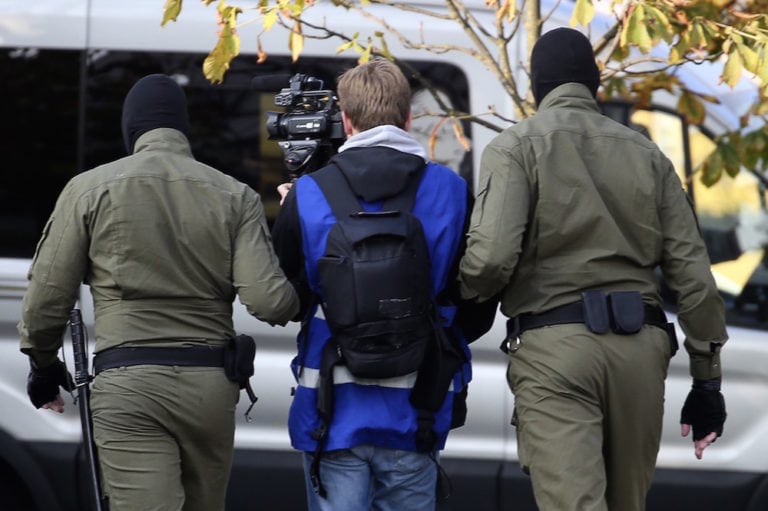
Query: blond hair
374	94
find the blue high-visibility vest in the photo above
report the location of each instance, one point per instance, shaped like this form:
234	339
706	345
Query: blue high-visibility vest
374	412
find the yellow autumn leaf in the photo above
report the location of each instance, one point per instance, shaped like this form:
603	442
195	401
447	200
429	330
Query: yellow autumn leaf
506	9
171	11
637	30
762	64
366	55
384	48
270	18
749	58
217	62
344	47
296	41
228	14
732	70
583	12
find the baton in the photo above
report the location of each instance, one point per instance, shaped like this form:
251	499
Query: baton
82	383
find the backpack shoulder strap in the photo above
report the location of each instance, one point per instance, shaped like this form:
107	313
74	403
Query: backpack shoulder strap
337	191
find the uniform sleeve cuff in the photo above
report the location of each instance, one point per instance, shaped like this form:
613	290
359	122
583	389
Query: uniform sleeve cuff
705	367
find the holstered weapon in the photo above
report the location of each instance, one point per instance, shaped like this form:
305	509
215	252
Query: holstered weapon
82	384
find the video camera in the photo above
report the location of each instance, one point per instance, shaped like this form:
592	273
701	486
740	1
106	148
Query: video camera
310	130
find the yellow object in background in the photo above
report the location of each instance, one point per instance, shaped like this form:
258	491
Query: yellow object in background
732	276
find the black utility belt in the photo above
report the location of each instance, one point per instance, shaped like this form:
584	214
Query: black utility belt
200	356
622	312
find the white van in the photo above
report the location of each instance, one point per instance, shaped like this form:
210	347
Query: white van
66	67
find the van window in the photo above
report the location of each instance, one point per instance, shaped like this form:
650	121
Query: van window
38	140
741	276
51	134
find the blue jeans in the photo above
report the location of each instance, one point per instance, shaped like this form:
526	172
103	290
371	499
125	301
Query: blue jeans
373	478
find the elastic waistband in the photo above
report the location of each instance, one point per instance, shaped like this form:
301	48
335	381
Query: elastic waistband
201	356
574	313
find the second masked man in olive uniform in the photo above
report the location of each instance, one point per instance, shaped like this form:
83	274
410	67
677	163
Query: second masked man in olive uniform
573	215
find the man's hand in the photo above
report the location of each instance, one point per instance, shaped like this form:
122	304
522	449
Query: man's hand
704	412
283	190
43	385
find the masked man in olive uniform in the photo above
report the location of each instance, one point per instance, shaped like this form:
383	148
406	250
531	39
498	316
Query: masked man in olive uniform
166	244
574	214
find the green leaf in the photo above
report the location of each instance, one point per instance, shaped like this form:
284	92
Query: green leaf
730	156
754	146
711	169
583	13
171	11
660	27
681	48
698	37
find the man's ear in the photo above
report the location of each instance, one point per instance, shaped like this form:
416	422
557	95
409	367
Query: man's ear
349	128
408	122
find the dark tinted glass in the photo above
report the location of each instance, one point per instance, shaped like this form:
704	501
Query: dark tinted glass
38	141
228	119
48	135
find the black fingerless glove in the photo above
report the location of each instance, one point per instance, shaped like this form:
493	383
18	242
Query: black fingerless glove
704	408
43	384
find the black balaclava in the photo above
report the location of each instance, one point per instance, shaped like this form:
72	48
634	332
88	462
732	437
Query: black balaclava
155	101
562	55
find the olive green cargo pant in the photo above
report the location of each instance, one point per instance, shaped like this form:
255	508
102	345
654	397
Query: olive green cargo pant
165	436
589	415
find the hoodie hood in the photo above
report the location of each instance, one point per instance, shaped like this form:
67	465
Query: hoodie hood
155	101
379	162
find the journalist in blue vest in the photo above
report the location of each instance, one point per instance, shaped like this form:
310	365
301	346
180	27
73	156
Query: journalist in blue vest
577	214
374	238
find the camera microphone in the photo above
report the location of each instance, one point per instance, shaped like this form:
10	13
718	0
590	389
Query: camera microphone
269	83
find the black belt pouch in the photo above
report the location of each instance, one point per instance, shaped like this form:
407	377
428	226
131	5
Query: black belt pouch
595	308
239	353
627	311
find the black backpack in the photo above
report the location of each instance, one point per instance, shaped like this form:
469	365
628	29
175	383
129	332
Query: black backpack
375	281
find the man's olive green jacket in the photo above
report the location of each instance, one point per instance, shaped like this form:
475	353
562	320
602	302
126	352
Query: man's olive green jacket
569	201
165	243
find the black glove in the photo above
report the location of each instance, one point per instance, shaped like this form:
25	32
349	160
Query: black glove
704	408
43	384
